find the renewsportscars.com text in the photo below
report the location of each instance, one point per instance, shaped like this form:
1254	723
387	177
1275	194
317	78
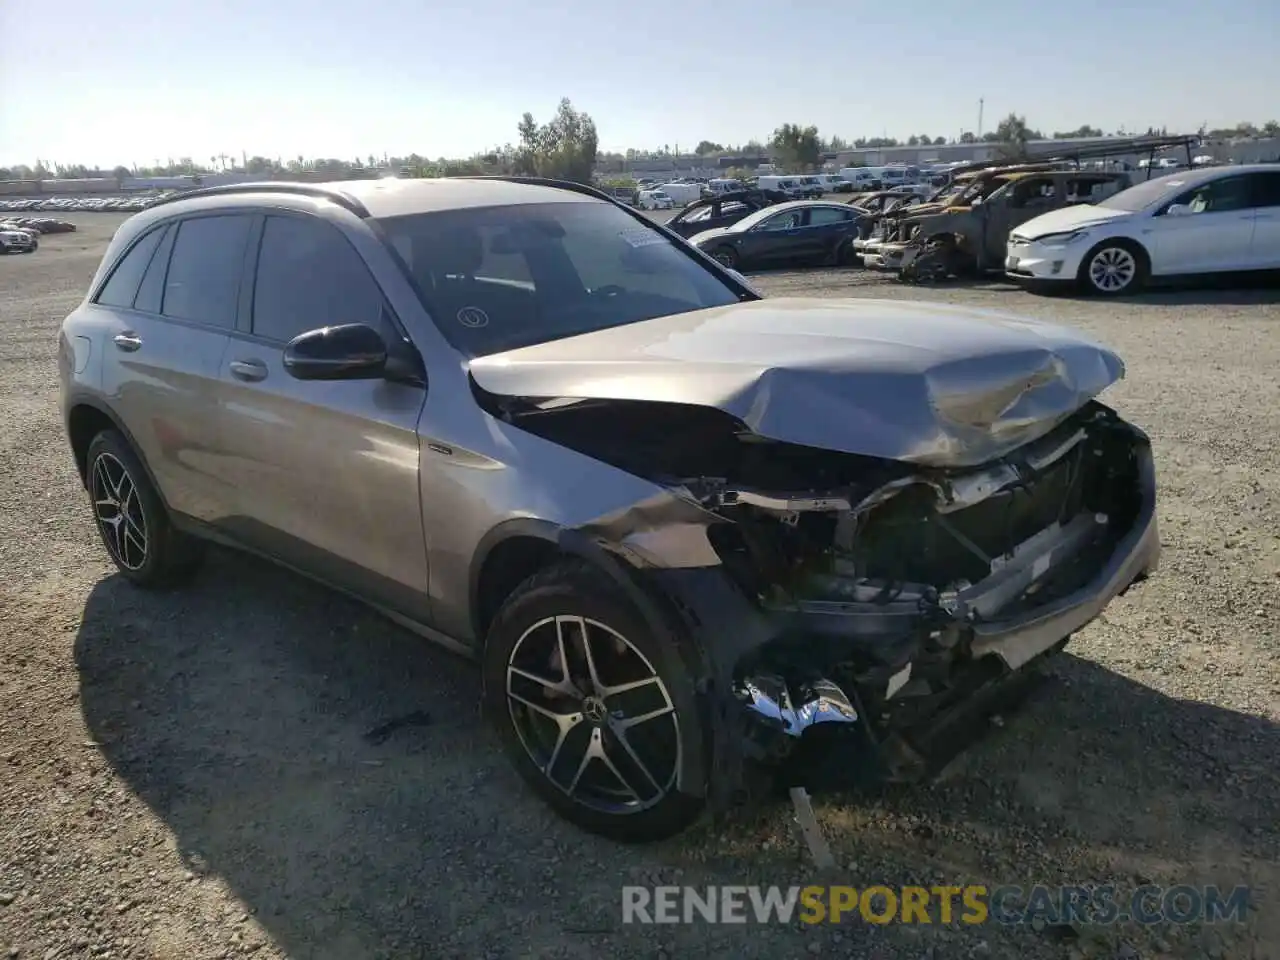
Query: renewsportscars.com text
972	904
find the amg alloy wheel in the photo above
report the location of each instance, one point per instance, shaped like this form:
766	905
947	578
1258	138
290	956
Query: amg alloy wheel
577	692
1113	268
132	519
118	512
593	709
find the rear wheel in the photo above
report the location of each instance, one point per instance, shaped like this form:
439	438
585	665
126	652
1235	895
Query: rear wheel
846	256
592	708
1114	267
132	519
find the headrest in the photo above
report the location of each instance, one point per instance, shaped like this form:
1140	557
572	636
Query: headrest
458	252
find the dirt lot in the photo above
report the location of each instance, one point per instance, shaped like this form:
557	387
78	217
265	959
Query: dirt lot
190	775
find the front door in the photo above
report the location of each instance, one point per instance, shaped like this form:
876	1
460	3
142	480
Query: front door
326	472
1213	232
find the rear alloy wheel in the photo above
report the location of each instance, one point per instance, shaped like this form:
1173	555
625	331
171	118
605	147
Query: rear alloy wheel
726	256
591	711
1113	268
132	519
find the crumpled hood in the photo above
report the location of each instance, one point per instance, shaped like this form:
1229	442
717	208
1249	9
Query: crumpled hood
1065	219
918	382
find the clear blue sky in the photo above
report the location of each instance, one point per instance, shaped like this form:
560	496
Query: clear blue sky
102	83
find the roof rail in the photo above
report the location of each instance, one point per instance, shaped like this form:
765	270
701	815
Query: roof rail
318	191
573	185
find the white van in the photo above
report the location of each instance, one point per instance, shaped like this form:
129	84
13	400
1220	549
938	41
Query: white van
655	200
788	185
683	193
862	178
720	185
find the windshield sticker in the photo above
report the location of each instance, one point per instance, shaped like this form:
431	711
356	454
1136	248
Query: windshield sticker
643	238
473	317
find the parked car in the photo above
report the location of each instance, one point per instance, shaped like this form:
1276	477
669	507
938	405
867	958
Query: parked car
681	527
17	240
796	232
655	200
1212	220
724	210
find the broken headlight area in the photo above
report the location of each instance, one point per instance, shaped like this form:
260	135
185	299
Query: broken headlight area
873	592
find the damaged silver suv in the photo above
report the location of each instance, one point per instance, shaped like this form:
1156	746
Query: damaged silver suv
689	533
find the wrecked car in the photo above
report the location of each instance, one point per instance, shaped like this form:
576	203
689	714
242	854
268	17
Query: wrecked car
970	234
691	535
722	210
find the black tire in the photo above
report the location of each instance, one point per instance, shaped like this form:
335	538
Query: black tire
167	557
1121	252
846	256
577	589
726	257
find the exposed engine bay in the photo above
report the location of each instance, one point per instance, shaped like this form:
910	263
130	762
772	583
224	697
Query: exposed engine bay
886	582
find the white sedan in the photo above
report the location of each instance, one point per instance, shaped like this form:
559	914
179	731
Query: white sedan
1223	219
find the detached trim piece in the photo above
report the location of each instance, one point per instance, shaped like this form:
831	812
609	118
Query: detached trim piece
314	190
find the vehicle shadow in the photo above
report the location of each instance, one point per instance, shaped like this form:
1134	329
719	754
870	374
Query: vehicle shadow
333	771
1228	290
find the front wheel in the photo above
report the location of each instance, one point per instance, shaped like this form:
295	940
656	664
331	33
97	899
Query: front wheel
727	257
1113	267
592	708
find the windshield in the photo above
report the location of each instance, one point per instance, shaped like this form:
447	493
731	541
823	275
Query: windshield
1144	194
499	278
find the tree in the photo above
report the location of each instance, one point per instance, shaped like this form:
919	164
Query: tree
968	137
1271	129
121	173
705	147
564	148
797	146
939	141
1012	135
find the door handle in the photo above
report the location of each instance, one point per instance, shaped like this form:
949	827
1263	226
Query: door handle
127	341
249	370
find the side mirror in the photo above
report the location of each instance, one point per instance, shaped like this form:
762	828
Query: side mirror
1178	210
352	351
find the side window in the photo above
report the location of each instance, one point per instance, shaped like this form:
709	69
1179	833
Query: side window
823	216
1034	192
1218	196
203	282
310	276
122	285
783	221
1266	189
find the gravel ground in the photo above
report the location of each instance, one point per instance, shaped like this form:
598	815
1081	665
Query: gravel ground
191	775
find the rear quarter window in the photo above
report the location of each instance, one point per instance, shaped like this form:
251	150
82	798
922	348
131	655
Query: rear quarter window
122	286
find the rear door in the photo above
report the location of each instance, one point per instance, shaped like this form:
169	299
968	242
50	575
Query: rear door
173	302
325	473
824	229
